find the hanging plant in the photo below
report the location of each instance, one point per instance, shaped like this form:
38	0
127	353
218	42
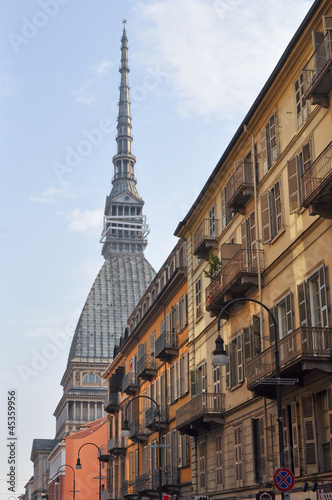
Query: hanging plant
215	266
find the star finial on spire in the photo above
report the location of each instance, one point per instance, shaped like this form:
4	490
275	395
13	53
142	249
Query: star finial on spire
124	21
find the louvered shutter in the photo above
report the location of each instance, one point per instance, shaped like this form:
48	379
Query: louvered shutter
329	409
169	386
247	343
309	434
193	383
176	381
168	323
256	335
319	56
185	362
273	311
239	358
289	312
304	310
180	452
264	151
141	349
323	297
286	437
266	218
238	454
262	445
306	156
273	138
228	372
293	184
244	238
278	205
223	209
295	437
168	451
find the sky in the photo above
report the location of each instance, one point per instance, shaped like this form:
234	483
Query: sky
196	68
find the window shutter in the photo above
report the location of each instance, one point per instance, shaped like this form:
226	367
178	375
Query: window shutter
262	445
239	358
309	433
223	209
327	23
306	156
169	386
323	298
152	342
286	437
265	211
162	326
168	451
293	184
273	138
271	324
264	151
228	372
140	350
278	205
185	362
303	303
289	312
329	409
252	229
180	463
168	323
247	343
238	454
204	378
193	383
295	434
256	334
320	56
244	235
175	381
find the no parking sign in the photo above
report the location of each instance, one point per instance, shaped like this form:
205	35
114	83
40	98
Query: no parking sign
283	479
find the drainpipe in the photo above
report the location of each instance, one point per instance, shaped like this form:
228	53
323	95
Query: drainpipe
257	231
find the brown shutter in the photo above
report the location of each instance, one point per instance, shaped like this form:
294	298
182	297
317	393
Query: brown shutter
264	151
265	211
289	312
329	409
303	304
228	373
262	445
309	434
238	454
193	383
273	311
293	184
278	205
323	298
244	238
256	334
247	343
286	437
295	434
319	57
185	362
239	358
306	156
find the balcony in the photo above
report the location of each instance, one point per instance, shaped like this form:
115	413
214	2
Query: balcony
317	73
170	480
141	484
234	280
146	367
129	384
317	185
304	350
138	432
104	455
152	418
116	446
166	346
106	495
240	187
205	238
111	404
128	490
201	414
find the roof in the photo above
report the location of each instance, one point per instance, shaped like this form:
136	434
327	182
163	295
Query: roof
42	445
88	429
252	110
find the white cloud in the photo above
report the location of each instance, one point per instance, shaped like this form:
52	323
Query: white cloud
87	222
8	86
213	50
52	195
85	93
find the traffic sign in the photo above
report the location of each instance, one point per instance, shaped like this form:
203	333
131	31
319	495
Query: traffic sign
265	495
283	479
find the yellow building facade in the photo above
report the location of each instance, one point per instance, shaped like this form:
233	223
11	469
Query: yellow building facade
261	230
148	381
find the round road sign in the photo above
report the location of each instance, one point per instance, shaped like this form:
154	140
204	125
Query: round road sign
283	479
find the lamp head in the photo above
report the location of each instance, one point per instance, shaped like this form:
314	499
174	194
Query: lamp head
219	357
57	481
125	432
78	463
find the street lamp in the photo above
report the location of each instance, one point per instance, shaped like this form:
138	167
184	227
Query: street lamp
125	432
57	481
220	359
79	466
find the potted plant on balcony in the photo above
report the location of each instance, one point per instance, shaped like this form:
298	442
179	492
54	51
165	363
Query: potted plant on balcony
213	275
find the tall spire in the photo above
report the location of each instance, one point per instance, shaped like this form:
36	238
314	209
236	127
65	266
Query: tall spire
125	229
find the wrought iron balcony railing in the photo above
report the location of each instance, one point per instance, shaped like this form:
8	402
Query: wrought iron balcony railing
129	383
166	345
111	404
116	446
146	366
240	187
205	238
312	345
152	417
236	277
317	74
201	413
141	483
317	182
138	433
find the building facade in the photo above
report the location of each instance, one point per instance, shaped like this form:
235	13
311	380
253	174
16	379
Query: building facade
261	230
148	381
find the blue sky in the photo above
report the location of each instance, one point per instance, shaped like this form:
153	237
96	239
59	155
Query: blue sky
196	67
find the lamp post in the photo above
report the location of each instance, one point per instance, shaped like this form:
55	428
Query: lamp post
220	358
125	433
57	479
79	466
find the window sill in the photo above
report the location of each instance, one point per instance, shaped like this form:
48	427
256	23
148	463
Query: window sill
277	236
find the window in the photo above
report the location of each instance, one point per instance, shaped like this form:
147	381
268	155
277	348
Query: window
183	374
234	367
252	339
283	313
312	299
302	106
145	460
184	455
201	382
238	455
309	434
91	378
130	470
258	441
201	464
198	298
296	167
218	460
212	222
269	143
271	209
